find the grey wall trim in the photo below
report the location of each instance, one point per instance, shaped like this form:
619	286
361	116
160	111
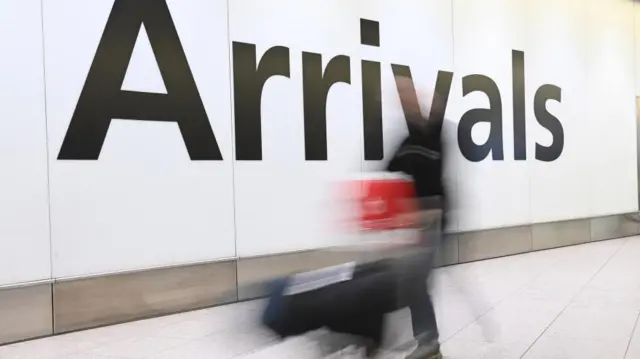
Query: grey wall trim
558	234
614	227
43	308
493	243
26	284
26	312
142	270
96	301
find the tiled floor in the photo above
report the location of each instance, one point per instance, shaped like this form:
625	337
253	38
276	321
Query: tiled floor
576	302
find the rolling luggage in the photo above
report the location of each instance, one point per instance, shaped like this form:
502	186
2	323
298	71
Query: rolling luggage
350	299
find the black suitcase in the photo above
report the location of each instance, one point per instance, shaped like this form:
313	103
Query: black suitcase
355	305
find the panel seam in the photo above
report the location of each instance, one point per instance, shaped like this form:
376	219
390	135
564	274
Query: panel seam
46	133
233	146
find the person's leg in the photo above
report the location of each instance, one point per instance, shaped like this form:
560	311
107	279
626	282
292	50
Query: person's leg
425	329
423	316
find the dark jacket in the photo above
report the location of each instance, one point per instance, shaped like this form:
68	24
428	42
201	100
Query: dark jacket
420	155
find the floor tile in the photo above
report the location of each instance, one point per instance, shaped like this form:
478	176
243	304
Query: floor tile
633	350
593	297
109	334
189	329
48	348
552	347
136	348
465	349
294	348
85	355
580	323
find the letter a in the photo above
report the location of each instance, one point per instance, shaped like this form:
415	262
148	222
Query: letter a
102	98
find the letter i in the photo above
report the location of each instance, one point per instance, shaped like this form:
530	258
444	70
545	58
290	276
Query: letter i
371	94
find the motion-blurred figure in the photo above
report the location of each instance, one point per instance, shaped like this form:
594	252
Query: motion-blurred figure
420	155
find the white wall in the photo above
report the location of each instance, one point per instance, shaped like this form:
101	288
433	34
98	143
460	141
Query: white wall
610	95
585	48
556	44
284	202
146	203
24	217
484	34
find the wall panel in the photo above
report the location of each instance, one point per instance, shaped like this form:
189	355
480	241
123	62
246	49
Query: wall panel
284	202
485	33
556	55
24	218
143	202
610	107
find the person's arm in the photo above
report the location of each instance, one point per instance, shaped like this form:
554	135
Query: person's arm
397	164
428	209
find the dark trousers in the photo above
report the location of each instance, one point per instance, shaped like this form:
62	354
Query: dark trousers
416	267
423	315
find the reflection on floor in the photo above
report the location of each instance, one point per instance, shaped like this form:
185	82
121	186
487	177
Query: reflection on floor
575	302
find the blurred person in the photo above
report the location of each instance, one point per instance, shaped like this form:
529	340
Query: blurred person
353	298
420	156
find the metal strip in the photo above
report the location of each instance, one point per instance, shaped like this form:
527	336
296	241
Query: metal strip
26	284
134	271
